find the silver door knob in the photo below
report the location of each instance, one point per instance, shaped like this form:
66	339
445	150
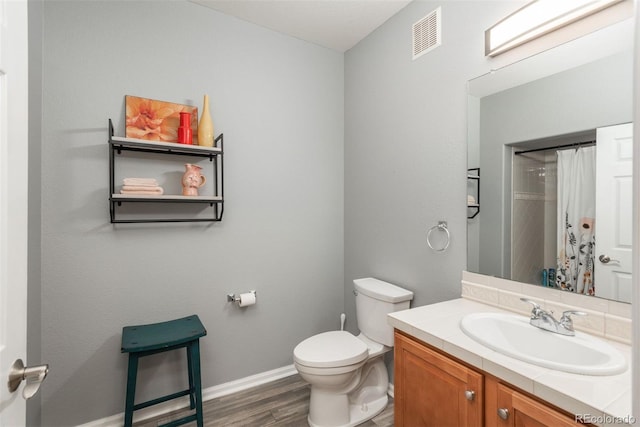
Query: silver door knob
33	376
470	394
606	260
503	413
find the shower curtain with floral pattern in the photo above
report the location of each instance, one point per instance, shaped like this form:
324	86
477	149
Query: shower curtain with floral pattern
576	220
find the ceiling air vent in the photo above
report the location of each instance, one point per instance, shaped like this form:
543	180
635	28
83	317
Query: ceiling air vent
427	34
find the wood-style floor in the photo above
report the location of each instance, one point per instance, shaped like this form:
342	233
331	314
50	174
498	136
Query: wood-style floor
280	403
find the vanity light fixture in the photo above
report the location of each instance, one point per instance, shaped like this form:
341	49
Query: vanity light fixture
536	19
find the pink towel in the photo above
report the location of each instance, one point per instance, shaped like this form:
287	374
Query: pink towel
149	191
153	189
141	182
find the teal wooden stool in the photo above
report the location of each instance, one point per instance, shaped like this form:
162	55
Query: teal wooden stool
145	340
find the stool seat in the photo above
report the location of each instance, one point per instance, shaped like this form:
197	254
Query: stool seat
161	335
145	340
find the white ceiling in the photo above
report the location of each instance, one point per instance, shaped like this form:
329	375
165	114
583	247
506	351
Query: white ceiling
335	24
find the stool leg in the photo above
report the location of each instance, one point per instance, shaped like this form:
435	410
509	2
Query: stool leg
195	361
192	400
132	374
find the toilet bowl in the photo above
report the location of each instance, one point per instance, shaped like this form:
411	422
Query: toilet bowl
347	374
336	364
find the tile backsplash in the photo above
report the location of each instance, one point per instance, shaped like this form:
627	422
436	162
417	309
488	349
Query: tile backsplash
605	318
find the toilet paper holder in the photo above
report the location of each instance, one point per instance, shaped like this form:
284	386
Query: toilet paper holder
236	297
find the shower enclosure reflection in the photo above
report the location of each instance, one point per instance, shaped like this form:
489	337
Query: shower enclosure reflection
555	204
539	147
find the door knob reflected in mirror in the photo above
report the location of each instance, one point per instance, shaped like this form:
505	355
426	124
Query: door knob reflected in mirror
606	260
32	375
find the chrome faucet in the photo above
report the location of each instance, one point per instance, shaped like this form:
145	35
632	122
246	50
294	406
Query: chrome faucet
544	319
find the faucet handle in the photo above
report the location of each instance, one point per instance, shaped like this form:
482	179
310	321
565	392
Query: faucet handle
566	315
535	312
533	303
566	321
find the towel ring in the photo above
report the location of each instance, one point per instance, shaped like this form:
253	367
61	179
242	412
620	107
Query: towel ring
442	225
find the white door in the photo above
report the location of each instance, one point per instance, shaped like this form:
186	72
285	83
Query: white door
13	202
614	199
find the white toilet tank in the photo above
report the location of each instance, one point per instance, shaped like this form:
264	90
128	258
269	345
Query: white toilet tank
374	300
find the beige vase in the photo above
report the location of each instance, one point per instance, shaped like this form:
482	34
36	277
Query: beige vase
205	127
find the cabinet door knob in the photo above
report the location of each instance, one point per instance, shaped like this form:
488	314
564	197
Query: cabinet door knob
470	394
503	413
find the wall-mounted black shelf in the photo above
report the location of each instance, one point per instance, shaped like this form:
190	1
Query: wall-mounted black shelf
473	175
117	145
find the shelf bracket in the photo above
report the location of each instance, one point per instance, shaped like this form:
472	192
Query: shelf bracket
475	176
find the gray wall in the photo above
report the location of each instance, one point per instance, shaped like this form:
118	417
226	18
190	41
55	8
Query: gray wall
34	289
405	149
279	102
593	95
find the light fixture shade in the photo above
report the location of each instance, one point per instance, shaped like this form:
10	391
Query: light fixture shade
536	19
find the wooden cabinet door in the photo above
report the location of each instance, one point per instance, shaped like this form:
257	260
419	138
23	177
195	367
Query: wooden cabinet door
522	411
432	390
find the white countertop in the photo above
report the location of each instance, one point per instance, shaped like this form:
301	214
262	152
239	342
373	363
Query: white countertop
606	398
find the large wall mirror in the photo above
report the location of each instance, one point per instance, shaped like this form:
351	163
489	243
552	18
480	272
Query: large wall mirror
549	159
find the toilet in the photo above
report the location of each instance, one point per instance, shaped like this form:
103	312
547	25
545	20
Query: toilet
347	374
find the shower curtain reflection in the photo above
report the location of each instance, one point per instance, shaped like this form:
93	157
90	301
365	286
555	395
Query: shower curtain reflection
576	220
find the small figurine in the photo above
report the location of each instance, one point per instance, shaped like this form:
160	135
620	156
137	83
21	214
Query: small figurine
192	179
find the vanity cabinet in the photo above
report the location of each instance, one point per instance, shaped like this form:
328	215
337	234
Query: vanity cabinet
433	390
508	407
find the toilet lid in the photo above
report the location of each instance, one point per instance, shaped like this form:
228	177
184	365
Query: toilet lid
330	349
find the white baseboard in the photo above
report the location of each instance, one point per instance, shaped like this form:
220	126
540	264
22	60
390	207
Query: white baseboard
207	394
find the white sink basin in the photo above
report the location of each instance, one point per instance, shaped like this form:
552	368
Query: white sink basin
513	336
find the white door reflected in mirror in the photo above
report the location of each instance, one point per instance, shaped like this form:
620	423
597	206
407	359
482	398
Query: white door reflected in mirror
614	200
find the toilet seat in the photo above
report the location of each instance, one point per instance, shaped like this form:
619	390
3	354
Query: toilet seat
375	348
330	349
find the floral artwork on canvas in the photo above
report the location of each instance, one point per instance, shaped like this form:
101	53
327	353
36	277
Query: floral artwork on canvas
154	120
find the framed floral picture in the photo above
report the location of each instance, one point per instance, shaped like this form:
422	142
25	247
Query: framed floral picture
154	120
